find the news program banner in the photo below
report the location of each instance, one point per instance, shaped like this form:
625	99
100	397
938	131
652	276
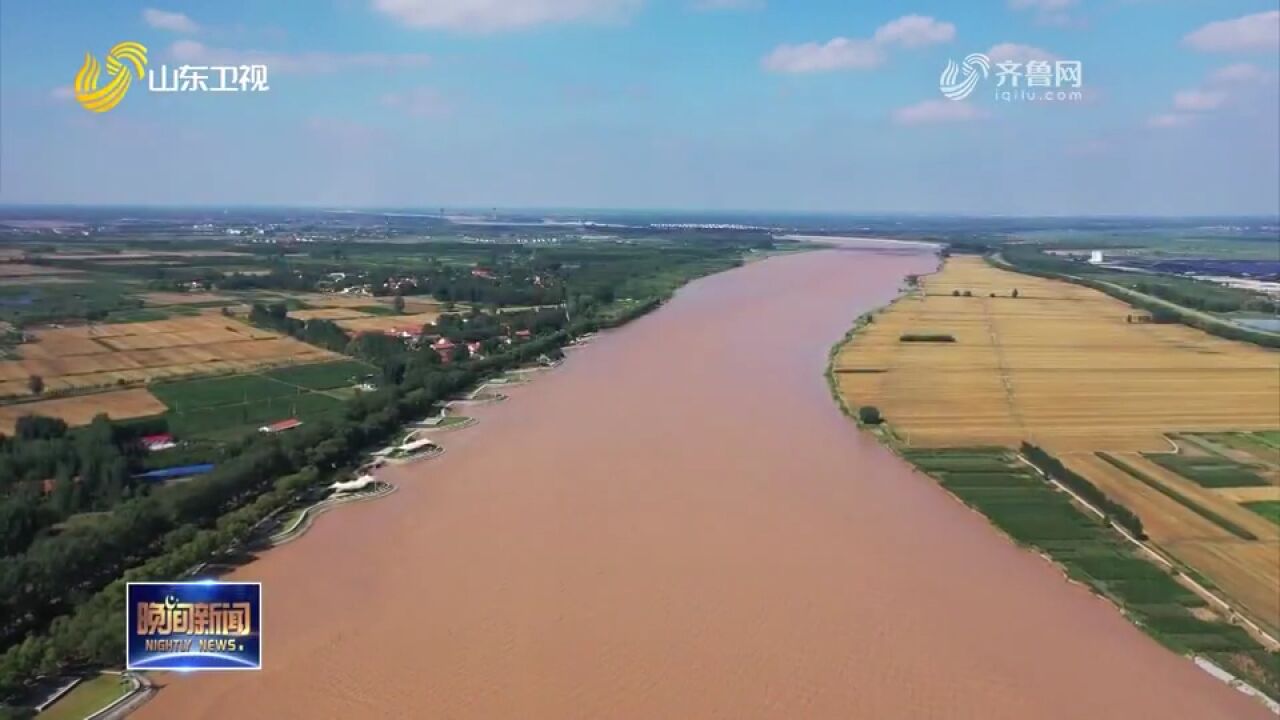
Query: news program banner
189	626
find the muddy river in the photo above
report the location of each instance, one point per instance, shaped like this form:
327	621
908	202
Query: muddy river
679	523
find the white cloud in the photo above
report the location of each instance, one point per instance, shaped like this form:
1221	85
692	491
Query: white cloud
936	111
172	21
499	15
1169	120
1239	73
1251	33
915	31
1013	52
1197	100
1230	86
190	51
844	53
420	102
838	54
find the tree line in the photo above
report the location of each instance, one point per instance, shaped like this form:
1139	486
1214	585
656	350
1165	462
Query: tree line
1054	468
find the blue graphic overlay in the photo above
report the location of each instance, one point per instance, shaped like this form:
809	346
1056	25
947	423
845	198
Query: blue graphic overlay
203	625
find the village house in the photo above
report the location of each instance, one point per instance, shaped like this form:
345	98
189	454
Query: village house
444	348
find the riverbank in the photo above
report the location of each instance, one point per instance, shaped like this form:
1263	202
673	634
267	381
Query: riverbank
679	523
1166	599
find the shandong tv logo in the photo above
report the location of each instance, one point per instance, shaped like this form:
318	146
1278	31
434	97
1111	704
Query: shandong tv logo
127	61
188	626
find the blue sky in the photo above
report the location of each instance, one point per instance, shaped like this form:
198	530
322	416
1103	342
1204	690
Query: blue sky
824	105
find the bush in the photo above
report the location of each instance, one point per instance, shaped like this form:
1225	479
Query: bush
870	415
927	337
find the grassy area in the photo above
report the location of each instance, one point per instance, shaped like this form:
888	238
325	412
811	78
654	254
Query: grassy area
1179	498
217	421
323	376
210	392
1210	472
1269	509
1035	514
87	698
221	408
25	305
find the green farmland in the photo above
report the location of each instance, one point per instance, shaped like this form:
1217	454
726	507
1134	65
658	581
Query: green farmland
323	376
1269	509
1036	514
219	408
1209	472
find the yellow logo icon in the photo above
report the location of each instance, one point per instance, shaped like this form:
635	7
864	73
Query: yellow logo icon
119	60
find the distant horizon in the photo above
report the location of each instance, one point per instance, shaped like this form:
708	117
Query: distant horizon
427	211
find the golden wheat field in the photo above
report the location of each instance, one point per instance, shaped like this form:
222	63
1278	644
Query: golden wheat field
1062	367
381	323
327	313
80	409
103	356
1058	366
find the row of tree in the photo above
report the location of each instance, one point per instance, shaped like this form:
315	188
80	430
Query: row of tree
1054	468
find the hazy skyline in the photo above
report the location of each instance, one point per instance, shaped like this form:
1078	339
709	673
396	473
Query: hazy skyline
683	104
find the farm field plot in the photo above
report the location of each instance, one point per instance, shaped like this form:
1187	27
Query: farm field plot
1078	373
102	356
177	298
335	313
79	410
379	323
1247	569
1059	366
142	255
61	279
315	300
227	407
323	376
1028	509
23	270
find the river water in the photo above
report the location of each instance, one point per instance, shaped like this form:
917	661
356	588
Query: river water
679	523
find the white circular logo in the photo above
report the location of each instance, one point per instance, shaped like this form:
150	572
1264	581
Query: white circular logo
976	67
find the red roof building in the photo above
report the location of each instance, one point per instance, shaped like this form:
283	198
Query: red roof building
154	443
281	426
405	332
444	348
